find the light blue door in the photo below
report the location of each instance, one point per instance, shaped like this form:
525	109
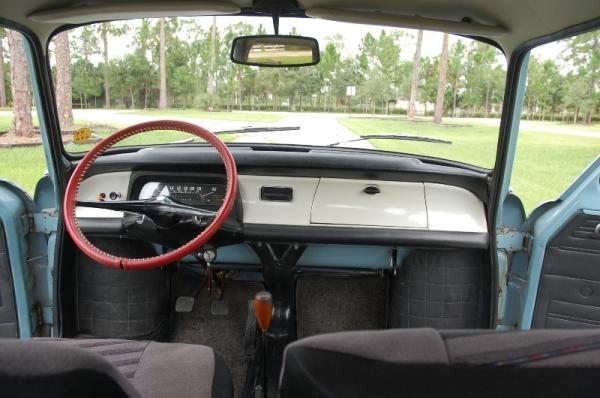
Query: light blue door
27	236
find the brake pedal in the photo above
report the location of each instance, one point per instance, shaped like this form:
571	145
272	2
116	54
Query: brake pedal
184	304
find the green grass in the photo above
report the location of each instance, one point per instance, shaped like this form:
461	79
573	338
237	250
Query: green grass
6	123
23	166
149	138
545	165
473	145
232	116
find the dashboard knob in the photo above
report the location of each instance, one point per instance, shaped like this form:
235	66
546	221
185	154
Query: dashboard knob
114	195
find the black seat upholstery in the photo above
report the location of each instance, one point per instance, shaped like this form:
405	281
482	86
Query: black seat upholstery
110	368
429	363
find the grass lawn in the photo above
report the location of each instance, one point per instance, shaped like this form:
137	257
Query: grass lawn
149	138
6	123
545	165
192	113
24	166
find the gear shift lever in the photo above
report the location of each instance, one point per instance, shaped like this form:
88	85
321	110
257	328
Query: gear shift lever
263	309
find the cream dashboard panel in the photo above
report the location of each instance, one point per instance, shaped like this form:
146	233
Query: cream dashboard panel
331	201
363	203
451	208
92	187
369	203
258	211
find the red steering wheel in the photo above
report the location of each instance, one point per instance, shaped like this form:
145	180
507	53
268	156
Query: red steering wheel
71	202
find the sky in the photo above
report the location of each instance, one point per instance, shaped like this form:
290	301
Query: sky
323	30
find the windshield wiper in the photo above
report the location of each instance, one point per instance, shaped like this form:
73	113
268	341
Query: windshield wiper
243	130
400	137
247	130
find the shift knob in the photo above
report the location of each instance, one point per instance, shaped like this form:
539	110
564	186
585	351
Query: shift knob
263	309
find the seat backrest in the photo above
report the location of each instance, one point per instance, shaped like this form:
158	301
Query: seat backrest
34	368
427	363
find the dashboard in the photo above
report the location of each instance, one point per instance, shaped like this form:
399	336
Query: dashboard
320	206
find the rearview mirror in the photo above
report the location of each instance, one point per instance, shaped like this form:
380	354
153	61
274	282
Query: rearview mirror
275	51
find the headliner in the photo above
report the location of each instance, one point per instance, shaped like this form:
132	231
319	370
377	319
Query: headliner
507	22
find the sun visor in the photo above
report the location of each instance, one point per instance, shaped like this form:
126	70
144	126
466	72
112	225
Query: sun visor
85	13
407	21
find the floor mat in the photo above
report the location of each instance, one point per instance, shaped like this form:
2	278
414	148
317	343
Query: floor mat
334	304
224	332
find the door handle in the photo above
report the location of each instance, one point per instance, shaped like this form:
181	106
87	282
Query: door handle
596	233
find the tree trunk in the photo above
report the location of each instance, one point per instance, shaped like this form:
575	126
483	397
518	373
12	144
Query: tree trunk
441	91
211	88
487	101
19	84
2	84
576	115
412	111
105	27
162	101
131	96
455	97
64	100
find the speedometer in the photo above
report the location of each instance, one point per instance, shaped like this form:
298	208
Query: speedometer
191	194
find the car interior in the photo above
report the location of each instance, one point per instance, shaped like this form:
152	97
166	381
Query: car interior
266	270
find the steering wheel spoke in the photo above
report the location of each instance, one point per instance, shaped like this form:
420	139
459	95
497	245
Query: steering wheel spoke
159	206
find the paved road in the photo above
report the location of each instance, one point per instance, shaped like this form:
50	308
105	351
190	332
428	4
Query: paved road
315	128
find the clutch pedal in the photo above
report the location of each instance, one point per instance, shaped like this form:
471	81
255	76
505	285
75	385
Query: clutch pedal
184	304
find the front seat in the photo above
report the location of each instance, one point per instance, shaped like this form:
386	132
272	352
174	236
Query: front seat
61	368
428	363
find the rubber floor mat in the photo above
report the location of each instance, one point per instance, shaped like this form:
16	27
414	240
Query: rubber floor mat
223	332
335	304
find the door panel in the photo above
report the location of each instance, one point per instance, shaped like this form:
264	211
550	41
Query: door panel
15	206
569	291
8	310
563	275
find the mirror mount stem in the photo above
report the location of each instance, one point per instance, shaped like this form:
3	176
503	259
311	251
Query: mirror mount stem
276	20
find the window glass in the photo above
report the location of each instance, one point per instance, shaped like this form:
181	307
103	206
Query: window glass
560	121
371	80
21	155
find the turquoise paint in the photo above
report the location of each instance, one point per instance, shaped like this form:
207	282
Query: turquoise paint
339	256
334	256
46	197
582	195
45	246
508	211
237	254
513	135
14	203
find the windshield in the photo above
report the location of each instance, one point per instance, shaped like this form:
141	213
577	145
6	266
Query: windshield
371	80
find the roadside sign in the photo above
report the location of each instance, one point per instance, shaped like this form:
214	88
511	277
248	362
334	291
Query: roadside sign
351	91
82	135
